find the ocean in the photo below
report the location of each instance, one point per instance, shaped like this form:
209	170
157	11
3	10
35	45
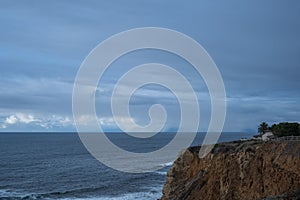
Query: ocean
57	166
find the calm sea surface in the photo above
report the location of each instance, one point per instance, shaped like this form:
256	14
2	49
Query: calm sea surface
57	166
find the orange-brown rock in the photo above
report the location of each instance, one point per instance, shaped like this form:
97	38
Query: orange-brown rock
238	170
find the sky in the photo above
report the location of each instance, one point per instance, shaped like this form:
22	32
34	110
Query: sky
255	45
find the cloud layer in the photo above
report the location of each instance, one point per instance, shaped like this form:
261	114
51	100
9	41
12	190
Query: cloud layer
48	123
255	45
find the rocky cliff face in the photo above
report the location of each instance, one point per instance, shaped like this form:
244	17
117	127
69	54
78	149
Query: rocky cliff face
238	170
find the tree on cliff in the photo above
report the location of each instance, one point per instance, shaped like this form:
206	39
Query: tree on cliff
286	129
263	127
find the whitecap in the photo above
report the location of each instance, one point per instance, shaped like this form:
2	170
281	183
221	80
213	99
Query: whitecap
161	173
168	164
154	193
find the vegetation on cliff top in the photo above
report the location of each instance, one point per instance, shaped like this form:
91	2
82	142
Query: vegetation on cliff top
281	129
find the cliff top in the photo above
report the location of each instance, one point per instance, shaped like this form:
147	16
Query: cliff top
236	170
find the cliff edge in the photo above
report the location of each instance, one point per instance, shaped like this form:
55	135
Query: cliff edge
237	170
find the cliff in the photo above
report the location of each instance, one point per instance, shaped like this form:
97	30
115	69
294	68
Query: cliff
237	170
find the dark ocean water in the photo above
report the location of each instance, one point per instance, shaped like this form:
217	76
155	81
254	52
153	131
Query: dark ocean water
57	166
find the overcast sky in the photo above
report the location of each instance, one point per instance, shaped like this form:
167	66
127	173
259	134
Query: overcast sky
255	44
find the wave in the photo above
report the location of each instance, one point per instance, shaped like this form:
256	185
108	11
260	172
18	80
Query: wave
168	164
150	193
10	194
13	195
129	196
161	173
154	193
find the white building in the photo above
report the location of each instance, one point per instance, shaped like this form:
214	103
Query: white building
267	136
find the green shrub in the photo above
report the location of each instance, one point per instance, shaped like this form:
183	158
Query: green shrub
286	129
